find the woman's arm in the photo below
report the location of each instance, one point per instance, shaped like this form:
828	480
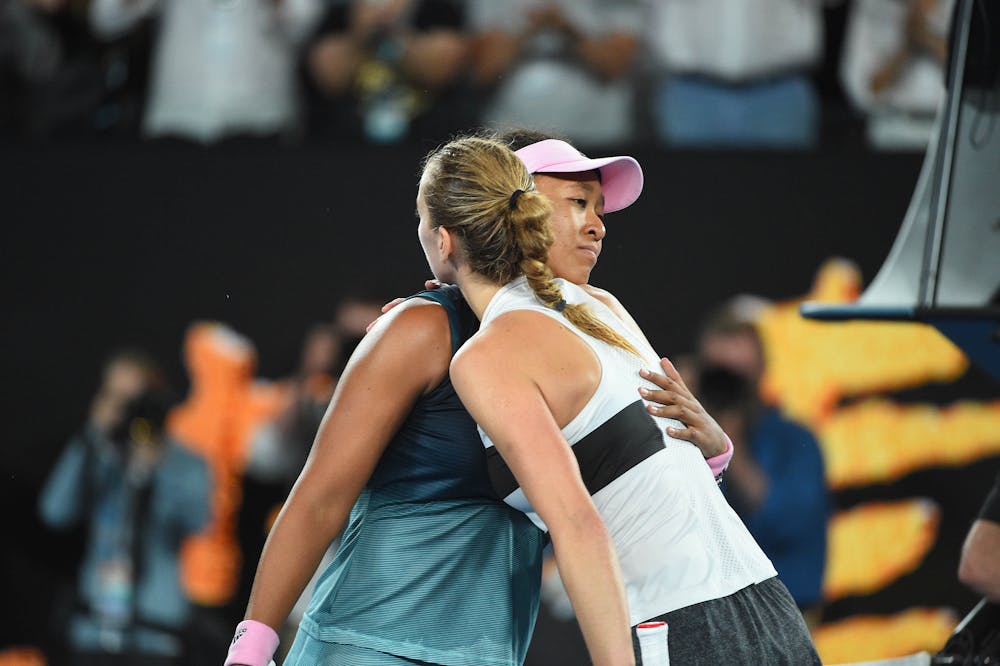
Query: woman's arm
406	355
494	376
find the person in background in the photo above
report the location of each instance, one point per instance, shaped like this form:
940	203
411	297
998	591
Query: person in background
735	73
892	68
221	68
976	639
566	64
279	447
776	479
140	493
979	567
55	79
225	404
388	70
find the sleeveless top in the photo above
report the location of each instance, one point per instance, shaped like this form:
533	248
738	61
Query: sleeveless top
678	541
432	565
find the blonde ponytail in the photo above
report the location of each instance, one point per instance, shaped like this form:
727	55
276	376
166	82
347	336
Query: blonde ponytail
535	241
478	189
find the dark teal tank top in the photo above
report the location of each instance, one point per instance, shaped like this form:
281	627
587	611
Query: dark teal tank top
433	566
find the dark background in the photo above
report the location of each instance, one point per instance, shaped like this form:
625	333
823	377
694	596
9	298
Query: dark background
127	243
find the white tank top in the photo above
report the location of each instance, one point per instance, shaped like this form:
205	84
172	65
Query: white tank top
678	541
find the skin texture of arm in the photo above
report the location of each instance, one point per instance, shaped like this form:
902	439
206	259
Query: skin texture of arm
403	357
528	365
980	565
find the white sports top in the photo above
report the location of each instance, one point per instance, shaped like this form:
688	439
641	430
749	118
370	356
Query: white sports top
678	541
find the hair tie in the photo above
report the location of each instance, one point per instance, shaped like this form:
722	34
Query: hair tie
513	199
560	306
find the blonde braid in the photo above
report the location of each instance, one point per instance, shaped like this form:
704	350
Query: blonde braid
535	243
469	188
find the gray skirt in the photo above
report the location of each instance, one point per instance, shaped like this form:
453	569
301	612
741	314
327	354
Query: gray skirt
759	624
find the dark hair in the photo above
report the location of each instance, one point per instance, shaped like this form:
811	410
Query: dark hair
720	389
517	138
468	188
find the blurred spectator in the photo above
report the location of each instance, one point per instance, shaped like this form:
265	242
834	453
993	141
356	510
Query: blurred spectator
976	639
30	53
388	70
735	72
980	564
892	67
564	65
279	447
223	408
139	493
221	67
53	76
776	479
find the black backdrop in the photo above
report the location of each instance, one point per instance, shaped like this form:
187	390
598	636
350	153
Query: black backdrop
128	243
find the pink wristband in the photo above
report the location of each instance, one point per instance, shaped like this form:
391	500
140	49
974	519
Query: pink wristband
719	463
254	644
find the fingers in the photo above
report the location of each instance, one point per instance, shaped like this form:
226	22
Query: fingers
673	373
666	382
689	434
671	397
428	285
391	304
371	325
669	370
662	381
682	413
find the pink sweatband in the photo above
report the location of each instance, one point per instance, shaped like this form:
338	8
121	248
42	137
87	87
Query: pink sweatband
254	644
719	463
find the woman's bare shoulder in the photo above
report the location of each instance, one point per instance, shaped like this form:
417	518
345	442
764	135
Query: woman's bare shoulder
604	296
415	336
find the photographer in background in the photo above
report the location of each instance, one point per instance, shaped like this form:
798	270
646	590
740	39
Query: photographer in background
140	494
776	480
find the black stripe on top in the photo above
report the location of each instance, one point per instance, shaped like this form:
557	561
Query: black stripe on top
616	446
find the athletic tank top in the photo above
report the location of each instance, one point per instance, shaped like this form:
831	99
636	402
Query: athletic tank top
678	540
432	565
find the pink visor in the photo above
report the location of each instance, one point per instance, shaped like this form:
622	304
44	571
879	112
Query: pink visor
621	176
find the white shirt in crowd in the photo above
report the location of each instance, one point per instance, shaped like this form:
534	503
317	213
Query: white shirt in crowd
735	40
902	114
220	67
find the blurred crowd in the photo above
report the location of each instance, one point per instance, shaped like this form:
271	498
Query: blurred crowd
176	494
712	73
